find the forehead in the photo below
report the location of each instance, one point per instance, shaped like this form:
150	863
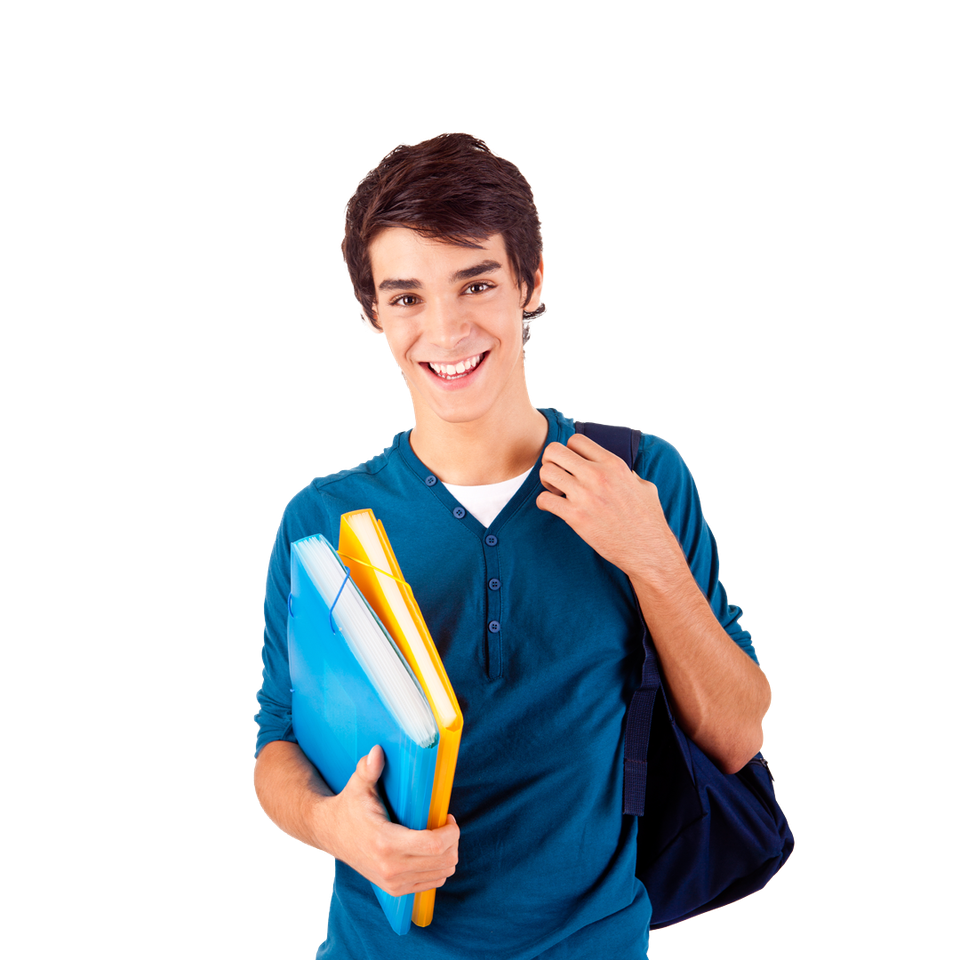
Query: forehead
401	253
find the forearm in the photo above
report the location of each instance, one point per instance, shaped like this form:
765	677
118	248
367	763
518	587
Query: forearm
717	692
292	793
352	825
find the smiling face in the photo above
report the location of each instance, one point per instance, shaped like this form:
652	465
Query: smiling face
453	317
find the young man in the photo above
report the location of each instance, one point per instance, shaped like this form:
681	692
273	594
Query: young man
527	547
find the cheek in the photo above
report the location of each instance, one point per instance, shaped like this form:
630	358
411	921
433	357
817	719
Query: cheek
397	345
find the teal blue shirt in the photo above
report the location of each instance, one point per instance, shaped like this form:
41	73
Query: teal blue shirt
538	634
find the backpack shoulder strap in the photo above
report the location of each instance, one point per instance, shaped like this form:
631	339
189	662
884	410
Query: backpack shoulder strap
625	443
708	838
622	441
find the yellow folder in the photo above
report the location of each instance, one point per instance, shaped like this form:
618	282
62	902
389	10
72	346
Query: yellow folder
365	549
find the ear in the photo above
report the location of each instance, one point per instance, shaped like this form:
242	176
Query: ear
534	301
371	319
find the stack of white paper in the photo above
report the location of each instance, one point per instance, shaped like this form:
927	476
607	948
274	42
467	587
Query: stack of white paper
369	642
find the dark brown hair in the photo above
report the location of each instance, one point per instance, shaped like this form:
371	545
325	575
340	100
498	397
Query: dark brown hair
450	188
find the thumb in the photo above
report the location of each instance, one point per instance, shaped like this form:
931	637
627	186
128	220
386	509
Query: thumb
370	767
364	781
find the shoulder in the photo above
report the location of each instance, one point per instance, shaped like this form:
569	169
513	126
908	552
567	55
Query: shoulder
659	461
318	506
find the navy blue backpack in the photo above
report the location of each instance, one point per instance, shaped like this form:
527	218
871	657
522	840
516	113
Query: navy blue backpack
706	838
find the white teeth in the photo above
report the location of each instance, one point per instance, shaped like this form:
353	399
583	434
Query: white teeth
455	370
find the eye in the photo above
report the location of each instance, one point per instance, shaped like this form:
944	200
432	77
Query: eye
479	287
404	300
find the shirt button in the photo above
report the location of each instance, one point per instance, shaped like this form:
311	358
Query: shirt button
494	584
490	540
430	481
494	626
459	513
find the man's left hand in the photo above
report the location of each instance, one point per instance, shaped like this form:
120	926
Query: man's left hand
610	507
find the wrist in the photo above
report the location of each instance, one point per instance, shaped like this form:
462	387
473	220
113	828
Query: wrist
318	816
660	568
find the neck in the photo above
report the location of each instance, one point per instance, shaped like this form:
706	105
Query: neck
489	450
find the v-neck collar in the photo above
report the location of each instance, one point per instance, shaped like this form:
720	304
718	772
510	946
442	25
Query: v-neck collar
530	487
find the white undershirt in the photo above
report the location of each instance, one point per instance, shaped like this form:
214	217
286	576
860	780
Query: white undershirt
486	500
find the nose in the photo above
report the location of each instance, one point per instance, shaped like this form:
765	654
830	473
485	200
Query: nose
446	323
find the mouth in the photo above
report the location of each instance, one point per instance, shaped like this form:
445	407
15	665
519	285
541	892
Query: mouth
456	371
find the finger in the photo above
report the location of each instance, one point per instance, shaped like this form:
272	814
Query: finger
588	449
559	454
572	460
551	503
439	844
556	479
448	834
424	846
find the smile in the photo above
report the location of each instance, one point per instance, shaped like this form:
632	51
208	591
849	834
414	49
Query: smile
453	371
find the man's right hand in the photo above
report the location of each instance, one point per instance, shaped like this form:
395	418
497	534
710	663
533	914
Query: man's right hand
396	859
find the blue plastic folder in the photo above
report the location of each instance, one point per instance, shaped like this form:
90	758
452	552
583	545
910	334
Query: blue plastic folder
339	715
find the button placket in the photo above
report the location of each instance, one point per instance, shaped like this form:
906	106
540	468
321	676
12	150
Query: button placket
494	625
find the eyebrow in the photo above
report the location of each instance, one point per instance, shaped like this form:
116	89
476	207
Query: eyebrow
468	273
